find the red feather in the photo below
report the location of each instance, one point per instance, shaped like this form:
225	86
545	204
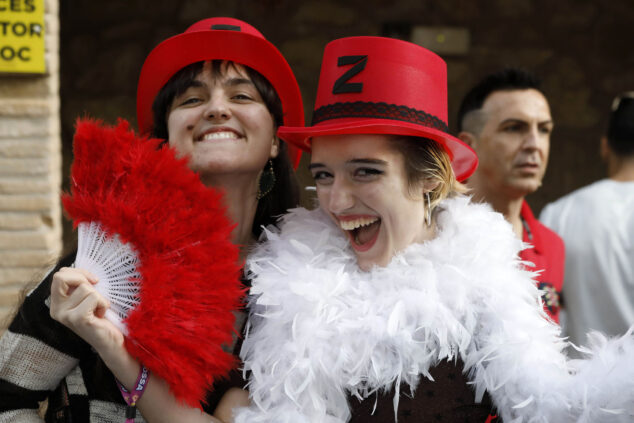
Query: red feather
190	272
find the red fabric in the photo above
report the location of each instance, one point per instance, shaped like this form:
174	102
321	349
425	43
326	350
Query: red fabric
190	272
244	45
548	256
358	71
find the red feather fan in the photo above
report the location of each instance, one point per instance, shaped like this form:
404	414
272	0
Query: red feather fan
190	275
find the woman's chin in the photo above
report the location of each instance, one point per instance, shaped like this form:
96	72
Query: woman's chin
367	263
364	265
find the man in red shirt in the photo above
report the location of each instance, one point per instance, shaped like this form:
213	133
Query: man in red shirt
506	119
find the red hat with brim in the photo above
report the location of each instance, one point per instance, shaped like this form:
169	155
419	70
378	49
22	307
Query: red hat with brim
219	39
376	85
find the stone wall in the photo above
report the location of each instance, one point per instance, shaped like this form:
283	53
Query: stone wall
30	172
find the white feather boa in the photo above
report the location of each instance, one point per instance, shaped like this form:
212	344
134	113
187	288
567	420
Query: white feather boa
321	329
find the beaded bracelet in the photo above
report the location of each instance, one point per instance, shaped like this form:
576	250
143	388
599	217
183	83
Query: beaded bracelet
131	398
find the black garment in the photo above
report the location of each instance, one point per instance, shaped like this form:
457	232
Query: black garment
449	399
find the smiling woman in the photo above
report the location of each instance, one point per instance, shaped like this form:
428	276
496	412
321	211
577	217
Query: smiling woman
363	185
221	91
380	188
398	282
216	94
222	124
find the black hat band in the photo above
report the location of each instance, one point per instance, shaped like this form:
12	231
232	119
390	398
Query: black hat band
371	110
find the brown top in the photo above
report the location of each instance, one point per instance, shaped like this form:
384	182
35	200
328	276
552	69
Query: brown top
449	398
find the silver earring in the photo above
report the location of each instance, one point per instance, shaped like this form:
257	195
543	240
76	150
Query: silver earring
428	211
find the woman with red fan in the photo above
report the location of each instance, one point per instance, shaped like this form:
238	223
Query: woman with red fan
215	95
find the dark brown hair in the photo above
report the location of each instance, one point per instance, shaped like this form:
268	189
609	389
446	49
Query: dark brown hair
620	131
508	79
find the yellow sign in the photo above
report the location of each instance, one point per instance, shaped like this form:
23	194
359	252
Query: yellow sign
22	36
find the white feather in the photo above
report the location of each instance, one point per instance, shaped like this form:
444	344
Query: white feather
328	330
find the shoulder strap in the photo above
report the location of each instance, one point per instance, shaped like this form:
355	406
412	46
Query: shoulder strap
59	410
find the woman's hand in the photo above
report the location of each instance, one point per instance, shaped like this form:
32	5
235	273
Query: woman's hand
76	304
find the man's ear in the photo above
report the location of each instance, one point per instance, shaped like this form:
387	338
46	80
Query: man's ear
468	138
275	147
604	148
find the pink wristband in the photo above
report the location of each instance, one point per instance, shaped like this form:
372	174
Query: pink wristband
131	398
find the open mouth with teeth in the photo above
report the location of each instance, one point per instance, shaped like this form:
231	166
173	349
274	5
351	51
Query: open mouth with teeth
219	135
363	231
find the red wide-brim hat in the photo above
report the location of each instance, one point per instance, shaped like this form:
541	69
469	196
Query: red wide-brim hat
219	39
376	85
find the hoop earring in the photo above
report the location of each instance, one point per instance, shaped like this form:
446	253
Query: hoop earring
267	181
428	211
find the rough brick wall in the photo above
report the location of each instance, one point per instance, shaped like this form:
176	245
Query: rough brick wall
30	172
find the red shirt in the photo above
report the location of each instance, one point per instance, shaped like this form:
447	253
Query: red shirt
548	256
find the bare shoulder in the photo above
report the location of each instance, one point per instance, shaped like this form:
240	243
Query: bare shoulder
233	398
